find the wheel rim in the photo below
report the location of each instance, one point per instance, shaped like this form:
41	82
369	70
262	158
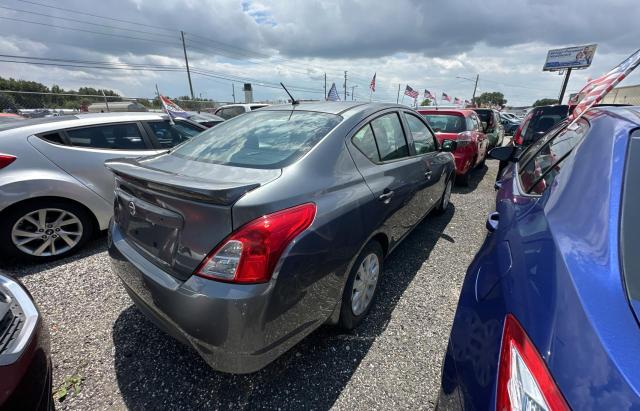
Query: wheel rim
47	232
365	283
446	196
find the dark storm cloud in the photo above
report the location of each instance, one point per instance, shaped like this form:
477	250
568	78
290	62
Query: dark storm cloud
443	28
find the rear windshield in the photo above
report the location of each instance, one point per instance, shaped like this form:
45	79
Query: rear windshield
485	115
260	139
445	123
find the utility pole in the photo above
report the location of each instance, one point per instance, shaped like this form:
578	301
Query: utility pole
353	89
325	86
564	85
475	87
345	85
233	91
398	98
186	60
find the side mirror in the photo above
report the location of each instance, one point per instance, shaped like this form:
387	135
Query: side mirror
437	130
505	153
449	146
484	126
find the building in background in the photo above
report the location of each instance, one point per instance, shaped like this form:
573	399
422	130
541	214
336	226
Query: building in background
116	106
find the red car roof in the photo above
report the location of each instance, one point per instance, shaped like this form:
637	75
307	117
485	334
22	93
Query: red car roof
460	112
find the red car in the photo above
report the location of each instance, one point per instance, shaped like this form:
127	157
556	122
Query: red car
464	127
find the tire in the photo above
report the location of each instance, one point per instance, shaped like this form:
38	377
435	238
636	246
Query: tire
350	317
67	226
444	202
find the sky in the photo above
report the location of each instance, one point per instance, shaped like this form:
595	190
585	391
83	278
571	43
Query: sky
426	44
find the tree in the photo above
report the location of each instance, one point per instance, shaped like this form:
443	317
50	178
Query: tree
545	102
493	98
7	102
425	102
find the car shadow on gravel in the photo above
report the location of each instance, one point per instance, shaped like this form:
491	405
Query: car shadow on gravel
475	178
155	371
20	269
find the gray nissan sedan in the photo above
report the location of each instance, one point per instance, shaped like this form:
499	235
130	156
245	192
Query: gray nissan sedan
243	241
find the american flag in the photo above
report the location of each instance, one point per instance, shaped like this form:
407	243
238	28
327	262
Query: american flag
446	97
457	101
372	86
596	89
411	92
172	109
429	95
466	102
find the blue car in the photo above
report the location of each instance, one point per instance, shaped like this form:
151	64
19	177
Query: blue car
548	316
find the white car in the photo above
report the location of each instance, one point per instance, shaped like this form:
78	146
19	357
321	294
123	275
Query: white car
232	110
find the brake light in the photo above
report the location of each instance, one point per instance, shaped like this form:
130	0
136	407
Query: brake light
5	160
517	137
463	139
524	381
250	254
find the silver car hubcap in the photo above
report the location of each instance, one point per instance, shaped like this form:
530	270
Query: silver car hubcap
446	196
46	232
364	284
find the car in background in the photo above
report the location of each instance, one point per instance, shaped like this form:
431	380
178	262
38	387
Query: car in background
464	127
232	110
54	189
9	117
548	313
25	362
510	116
273	223
538	122
510	126
491	126
204	119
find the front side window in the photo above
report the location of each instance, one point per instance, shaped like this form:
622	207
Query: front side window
109	136
390	137
423	140
169	135
539	172
260	139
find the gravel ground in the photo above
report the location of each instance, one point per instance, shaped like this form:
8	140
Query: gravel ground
392	360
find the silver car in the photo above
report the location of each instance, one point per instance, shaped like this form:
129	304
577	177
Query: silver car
55	192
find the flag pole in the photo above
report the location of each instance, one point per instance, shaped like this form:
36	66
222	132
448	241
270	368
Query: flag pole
370	94
401	101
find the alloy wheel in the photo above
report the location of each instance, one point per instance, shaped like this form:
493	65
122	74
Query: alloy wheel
47	232
447	195
364	285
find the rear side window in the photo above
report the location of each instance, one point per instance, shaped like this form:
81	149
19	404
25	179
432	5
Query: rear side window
390	137
365	142
109	136
630	220
423	140
230	112
260	139
169	135
539	172
256	107
54	138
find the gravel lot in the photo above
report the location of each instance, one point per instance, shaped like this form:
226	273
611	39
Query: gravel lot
392	360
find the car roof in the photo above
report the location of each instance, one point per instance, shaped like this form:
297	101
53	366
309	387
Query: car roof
463	111
243	105
336	107
628	113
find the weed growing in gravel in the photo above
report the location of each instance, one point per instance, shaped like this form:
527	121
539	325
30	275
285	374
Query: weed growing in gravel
72	383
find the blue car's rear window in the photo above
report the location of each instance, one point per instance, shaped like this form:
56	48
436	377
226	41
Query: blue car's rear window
630	221
260	139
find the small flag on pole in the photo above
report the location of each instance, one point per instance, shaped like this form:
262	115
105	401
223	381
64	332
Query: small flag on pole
172	109
372	86
457	101
446	97
333	93
429	95
411	92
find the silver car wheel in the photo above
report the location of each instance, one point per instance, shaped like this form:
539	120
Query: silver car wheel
364	285
47	232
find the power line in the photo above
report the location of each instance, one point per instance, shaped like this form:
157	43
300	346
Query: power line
96	15
88	31
86	22
93	62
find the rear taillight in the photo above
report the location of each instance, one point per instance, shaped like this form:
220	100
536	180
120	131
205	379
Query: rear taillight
250	254
524	383
463	139
5	160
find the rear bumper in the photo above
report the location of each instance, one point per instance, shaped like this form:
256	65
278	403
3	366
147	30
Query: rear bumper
229	325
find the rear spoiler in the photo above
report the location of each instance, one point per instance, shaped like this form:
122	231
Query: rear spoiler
222	193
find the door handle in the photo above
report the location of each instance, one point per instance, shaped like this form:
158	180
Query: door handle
497	185
427	174
386	196
492	221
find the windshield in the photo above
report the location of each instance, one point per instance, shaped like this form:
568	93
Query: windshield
260	139
445	123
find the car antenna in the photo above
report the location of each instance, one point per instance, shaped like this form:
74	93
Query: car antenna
293	100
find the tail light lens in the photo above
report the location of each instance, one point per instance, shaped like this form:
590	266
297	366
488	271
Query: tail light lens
250	254
6	159
517	137
524	383
463	139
